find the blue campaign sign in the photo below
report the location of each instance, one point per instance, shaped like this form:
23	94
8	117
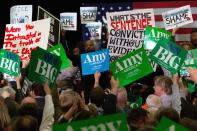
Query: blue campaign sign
95	61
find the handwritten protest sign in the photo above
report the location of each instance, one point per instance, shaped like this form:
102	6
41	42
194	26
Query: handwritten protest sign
168	125
54	34
95	30
126	30
59	51
44	66
68	21
169	55
23	38
95	61
177	17
131	67
88	14
116	122
9	63
21	14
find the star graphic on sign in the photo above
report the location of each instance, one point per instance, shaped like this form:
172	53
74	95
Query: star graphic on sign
99	13
128	8
119	8
103	33
103	41
99	20
103	8
111	8
86	34
103	25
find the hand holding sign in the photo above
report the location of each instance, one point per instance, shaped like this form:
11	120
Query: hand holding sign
193	74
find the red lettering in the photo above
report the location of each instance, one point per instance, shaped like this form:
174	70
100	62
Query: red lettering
9	37
12	29
37	40
9	44
39	33
29	27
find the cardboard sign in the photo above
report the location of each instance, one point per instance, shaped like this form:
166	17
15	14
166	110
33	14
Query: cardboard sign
88	14
169	55
23	38
177	17
131	67
126	30
54	34
44	66
168	125
21	14
10	63
59	51
94	29
68	21
95	61
153	35
116	122
191	58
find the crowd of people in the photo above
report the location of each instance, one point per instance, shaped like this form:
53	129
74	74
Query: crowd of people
31	106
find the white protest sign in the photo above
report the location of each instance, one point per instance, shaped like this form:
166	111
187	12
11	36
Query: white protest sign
126	30
88	14
177	17
21	14
68	21
95	30
22	38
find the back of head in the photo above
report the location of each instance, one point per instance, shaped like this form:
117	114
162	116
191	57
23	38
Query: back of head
121	97
4	116
25	123
164	82
153	101
97	96
167	112
189	123
37	88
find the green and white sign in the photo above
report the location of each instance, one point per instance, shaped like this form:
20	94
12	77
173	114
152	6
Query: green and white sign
153	35
10	63
44	66
59	51
131	67
191	59
115	122
169	125
169	55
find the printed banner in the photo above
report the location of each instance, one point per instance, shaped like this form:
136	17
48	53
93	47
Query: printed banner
59	51
88	14
44	66
54	34
68	21
126	30
191	59
95	61
168	125
10	63
21	14
116	122
23	38
94	29
169	55
177	17
131	67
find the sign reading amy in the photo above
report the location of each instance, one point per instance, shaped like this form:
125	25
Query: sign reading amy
43	66
95	30
177	17
59	51
9	63
169	55
88	14
24	37
131	67
68	21
126	30
115	122
20	14
153	35
54	34
95	61
169	125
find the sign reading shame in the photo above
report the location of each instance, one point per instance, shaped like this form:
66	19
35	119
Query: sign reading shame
44	66
168	55
9	63
24	37
88	14
177	17
68	21
131	67
95	61
126	30
115	122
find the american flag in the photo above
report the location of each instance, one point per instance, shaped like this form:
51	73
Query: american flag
102	8
183	34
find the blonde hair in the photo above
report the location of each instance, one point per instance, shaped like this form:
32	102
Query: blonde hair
4	116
